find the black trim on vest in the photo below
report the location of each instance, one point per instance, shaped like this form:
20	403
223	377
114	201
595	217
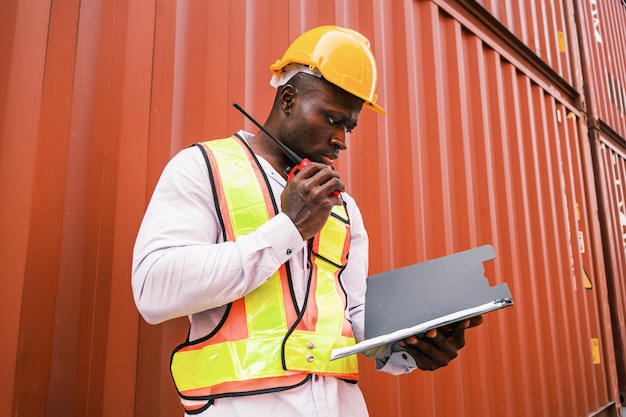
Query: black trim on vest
323	258
221	221
341	219
300	313
203	338
201	409
212	398
213	189
345	293
195	342
258	164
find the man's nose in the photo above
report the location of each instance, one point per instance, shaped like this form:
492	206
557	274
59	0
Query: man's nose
339	140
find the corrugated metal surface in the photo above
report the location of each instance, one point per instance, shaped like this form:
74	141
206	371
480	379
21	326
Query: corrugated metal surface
604	42
612	174
490	157
97	96
544	27
603	51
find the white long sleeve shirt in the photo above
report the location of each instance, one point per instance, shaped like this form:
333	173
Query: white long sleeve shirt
183	267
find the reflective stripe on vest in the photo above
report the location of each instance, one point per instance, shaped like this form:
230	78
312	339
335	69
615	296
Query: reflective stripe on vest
248	352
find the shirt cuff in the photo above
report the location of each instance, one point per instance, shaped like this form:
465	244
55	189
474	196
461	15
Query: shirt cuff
397	361
282	236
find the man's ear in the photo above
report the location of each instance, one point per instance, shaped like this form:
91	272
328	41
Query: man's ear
287	97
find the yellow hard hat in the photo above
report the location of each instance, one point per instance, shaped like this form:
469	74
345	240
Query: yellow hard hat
341	55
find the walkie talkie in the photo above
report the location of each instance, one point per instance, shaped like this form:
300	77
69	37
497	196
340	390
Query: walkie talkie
293	157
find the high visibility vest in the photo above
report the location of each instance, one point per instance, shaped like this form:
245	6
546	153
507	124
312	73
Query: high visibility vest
265	342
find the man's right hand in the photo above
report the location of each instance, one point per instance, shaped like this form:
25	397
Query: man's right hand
308	198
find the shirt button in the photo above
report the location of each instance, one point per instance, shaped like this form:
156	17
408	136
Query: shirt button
310	345
289	251
309	358
317	378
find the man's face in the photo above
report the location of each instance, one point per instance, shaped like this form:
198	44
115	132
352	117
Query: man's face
319	121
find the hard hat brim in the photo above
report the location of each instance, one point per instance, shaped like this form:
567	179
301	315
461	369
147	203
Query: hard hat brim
375	107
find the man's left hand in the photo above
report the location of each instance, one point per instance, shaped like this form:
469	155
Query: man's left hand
438	346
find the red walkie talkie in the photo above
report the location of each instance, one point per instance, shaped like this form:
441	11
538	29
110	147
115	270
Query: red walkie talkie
299	162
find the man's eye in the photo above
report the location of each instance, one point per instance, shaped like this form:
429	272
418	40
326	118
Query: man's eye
336	122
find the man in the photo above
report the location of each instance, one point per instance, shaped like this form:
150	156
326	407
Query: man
272	271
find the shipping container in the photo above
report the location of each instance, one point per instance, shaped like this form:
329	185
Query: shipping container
603	43
492	157
603	53
611	163
481	145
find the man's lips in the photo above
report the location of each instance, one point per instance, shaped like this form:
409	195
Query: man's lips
328	160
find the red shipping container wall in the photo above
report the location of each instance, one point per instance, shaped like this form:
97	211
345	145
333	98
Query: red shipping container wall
603	46
484	143
611	157
488	154
603	40
544	27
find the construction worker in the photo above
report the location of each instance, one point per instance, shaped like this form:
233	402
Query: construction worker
271	269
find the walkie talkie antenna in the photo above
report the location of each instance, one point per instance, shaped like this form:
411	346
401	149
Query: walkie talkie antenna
290	154
300	163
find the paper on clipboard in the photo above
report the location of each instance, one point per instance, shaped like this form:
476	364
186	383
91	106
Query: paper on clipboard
414	299
420	328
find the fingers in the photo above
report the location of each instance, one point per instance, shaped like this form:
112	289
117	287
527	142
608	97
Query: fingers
321	178
438	347
475	321
308	198
458	333
432	351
